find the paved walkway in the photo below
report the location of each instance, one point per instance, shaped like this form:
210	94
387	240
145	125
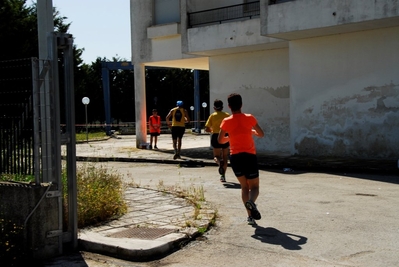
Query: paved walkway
157	221
156	224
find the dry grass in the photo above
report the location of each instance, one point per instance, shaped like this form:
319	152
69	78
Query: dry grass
99	198
100	194
80	137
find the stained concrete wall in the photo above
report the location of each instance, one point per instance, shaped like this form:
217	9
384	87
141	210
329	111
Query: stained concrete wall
23	204
320	84
141	16
310	18
345	95
262	78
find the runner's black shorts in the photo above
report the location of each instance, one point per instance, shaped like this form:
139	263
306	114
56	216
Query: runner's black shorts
215	143
245	164
155	134
178	132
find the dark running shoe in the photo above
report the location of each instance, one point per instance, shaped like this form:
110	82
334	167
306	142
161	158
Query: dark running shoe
221	169
176	155
251	221
252	208
223	179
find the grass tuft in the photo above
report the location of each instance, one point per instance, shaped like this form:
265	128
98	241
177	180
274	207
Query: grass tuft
81	137
100	194
99	198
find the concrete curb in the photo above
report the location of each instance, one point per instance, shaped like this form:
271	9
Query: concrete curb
129	248
101	239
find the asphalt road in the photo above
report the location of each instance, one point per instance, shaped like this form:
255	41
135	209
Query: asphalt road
308	219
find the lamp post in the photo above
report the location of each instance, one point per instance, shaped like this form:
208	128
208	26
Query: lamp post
86	101
192	114
204	105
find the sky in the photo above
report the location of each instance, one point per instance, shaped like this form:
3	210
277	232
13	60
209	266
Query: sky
101	27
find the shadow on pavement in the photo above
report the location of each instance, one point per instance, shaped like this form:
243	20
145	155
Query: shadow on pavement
275	237
371	169
231	185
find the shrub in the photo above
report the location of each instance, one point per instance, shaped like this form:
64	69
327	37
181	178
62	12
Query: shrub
99	198
100	195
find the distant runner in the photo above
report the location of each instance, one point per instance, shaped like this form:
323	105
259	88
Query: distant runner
179	117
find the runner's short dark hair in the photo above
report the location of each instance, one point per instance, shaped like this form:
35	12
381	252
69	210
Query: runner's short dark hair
235	101
218	104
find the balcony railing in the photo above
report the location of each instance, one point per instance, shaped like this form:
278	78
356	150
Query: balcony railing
228	13
222	14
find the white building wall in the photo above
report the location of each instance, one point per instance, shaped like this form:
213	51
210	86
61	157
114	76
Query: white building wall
345	94
166	48
310	18
141	17
326	94
262	78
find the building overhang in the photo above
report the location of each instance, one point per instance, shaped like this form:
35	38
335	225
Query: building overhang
306	19
229	38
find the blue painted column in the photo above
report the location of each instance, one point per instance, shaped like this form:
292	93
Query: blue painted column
107	102
197	106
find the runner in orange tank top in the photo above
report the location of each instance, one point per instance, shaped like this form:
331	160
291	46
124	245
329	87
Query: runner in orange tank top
155	128
240	128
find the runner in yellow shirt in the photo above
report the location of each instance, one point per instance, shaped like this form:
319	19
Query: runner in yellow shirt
179	117
212	125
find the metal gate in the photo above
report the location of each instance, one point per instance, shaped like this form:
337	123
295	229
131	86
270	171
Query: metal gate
16	117
30	134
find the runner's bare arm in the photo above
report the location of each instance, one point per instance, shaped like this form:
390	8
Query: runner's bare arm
258	131
168	117
222	138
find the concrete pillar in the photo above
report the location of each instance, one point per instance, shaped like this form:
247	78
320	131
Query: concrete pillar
140	104
45	25
141	16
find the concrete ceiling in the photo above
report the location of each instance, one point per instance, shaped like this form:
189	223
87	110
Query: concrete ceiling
198	63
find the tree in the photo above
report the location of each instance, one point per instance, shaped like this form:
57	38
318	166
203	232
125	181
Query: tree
18	27
164	86
18	30
90	86
19	33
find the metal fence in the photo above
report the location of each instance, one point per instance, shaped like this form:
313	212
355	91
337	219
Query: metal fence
16	117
